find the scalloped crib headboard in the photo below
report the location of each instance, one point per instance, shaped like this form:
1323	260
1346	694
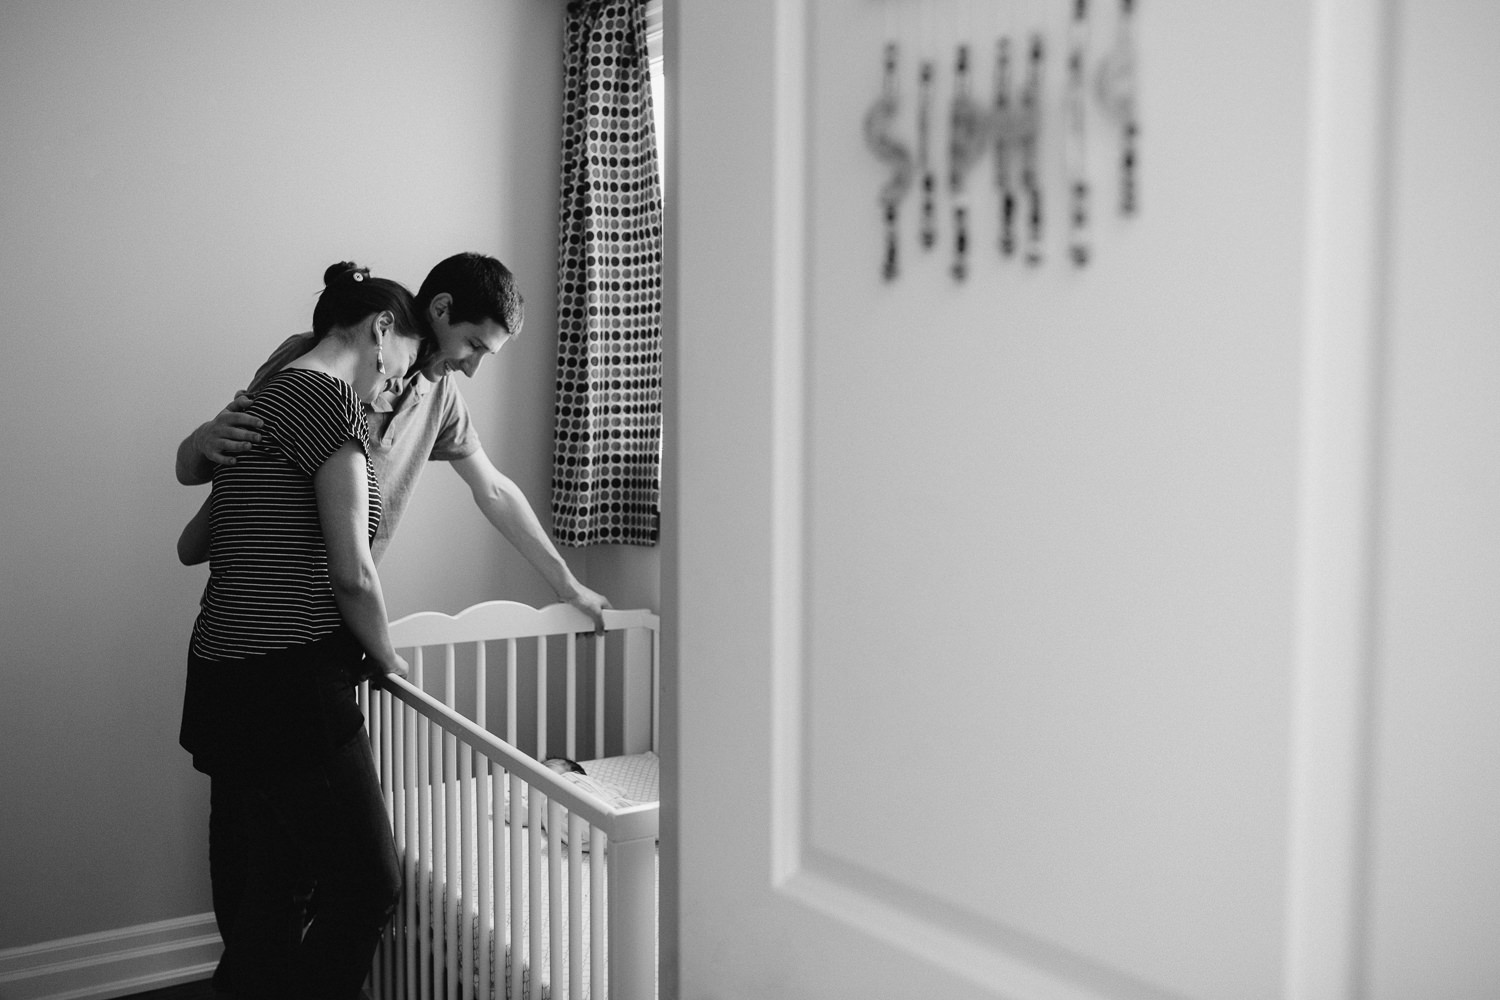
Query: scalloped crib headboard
539	678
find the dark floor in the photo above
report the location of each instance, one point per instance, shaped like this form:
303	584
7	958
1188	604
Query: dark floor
200	990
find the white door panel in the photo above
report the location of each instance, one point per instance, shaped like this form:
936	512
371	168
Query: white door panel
989	598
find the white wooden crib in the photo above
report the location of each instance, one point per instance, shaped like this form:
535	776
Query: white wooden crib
495	904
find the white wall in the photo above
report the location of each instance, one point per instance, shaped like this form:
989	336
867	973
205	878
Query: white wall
1435	842
176	176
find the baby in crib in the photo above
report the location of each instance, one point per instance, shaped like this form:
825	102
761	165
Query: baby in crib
577	776
598	786
563	765
574	773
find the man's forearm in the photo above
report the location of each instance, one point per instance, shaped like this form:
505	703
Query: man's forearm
215	443
192	468
506	507
192	544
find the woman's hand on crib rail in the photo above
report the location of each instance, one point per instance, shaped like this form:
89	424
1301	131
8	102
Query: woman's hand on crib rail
398	668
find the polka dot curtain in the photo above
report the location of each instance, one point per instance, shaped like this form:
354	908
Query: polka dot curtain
606	483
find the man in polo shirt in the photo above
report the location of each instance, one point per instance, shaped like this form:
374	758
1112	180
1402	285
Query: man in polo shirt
475	309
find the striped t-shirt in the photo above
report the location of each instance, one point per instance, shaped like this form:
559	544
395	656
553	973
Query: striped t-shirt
268	586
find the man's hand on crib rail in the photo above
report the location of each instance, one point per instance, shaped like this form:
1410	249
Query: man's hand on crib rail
587	601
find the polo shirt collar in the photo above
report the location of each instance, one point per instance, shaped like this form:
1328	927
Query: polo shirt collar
414	386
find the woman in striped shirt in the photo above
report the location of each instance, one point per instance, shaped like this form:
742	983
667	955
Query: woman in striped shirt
292	619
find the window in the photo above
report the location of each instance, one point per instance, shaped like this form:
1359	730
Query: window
658	81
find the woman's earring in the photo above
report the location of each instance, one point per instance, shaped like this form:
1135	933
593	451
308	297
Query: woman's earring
379	358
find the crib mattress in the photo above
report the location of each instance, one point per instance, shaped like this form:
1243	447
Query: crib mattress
635	778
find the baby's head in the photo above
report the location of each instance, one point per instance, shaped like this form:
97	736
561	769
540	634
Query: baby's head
563	765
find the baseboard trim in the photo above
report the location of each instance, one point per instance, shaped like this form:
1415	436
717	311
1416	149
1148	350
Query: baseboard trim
112	963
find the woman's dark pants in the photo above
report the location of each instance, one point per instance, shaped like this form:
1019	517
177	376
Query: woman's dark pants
324	830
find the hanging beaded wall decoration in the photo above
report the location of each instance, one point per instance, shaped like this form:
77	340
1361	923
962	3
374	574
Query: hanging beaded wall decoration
1008	125
966	141
878	123
1031	182
1003	127
924	158
1076	146
1115	84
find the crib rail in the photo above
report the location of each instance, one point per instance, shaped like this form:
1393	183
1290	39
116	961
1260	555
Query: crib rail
519	884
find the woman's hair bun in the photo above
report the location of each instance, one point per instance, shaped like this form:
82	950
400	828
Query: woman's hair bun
350	295
344	270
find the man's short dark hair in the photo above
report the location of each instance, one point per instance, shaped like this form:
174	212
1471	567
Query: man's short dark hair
481	288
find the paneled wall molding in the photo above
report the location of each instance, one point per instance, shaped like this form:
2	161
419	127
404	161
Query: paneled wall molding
994	958
112	963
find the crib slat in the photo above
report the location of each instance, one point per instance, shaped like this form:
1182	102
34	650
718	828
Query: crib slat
481	686
597	911
368	708
437	851
444	829
482	816
399	822
466	861
556	929
510	692
599	697
453	882
577	830
451	877
399	933
517	902
372	732
380	719
541	697
422	788
572	700
489	852
537	805
469	854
